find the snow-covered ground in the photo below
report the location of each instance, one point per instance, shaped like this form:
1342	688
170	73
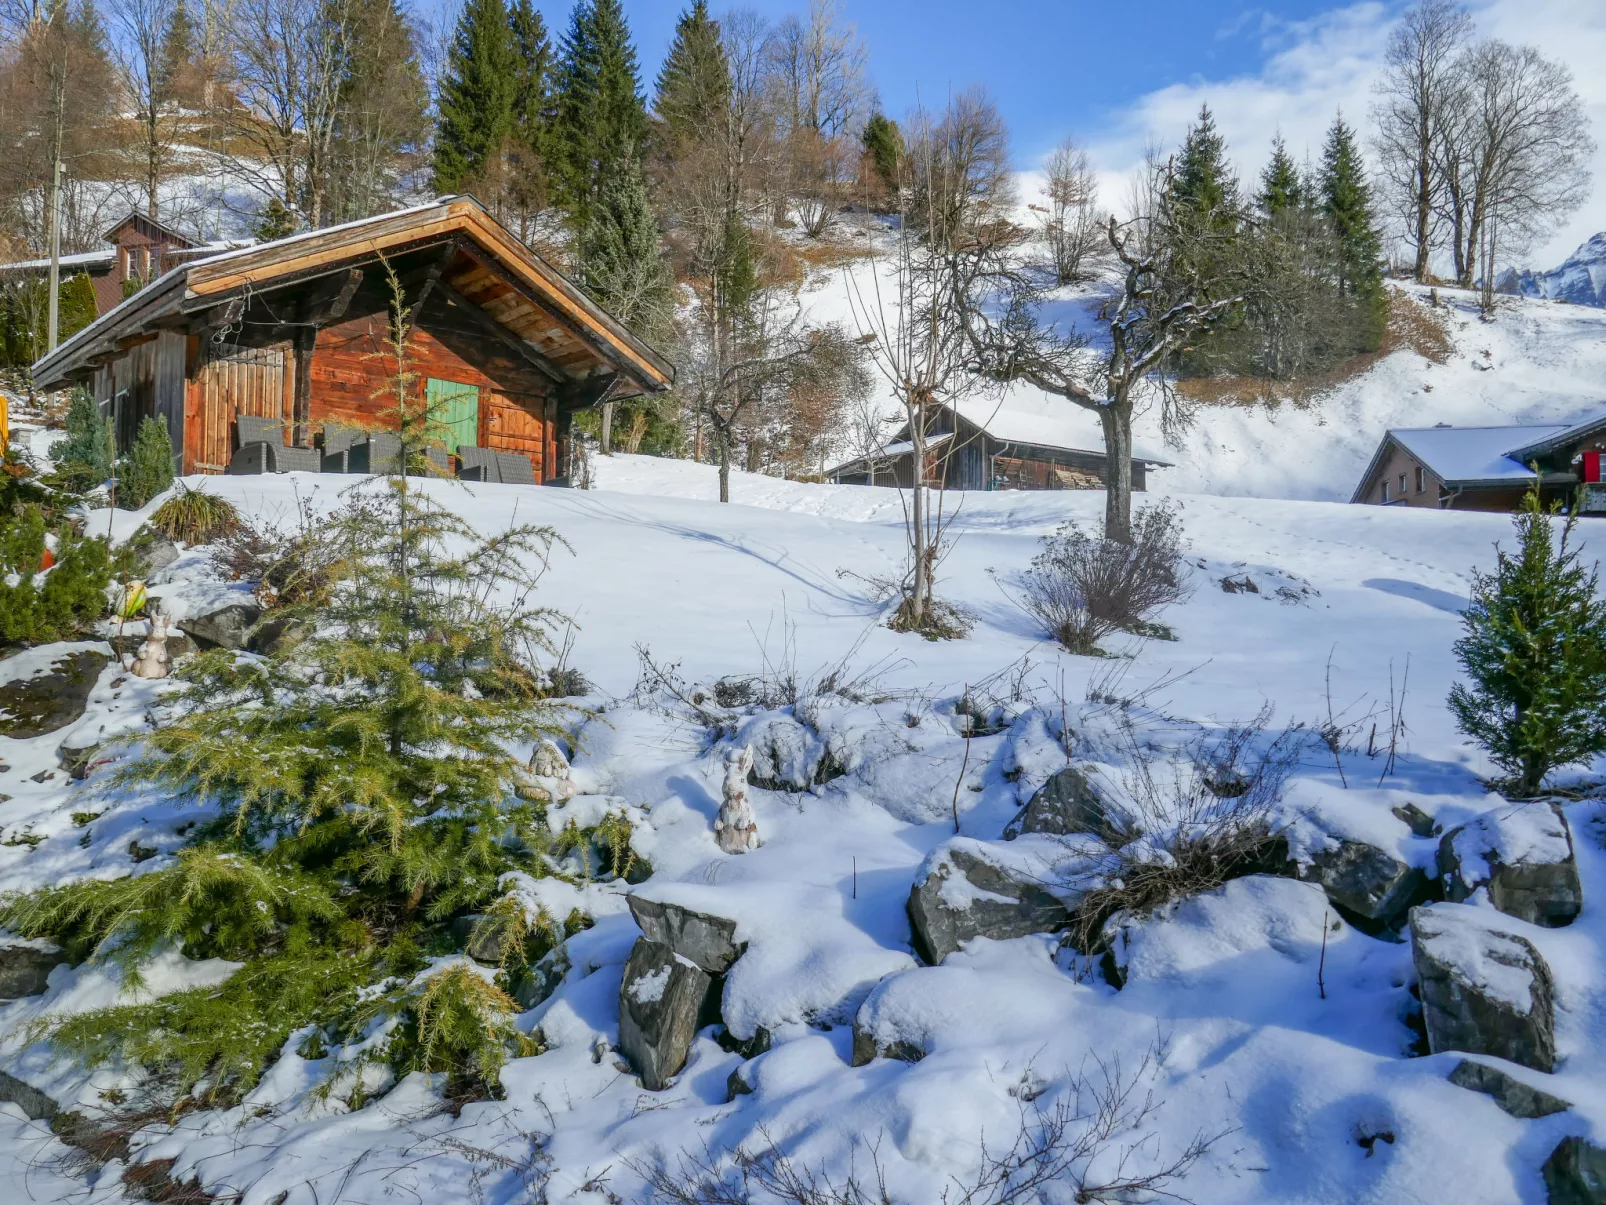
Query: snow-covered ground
1223	997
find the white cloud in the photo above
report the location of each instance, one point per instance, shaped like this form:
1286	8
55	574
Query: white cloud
1328	64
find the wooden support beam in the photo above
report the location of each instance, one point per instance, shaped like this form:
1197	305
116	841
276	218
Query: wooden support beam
499	332
329	301
306	339
586	336
431	277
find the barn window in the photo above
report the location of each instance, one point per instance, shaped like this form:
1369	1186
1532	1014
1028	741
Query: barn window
1402	485
1421	479
1385	484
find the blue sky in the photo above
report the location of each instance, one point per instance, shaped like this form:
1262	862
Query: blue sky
1119	74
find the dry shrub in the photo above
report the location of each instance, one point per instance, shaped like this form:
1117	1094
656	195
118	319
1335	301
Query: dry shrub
290	565
1199	818
1083	588
1412	325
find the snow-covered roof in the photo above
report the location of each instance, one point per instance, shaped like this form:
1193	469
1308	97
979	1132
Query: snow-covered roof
1076	431
1474	453
78	259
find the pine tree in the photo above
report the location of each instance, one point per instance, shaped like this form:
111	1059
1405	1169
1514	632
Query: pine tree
178	52
1346	200
694	85
276	221
476	96
383	115
1535	651
1202	180
1280	185
884	144
149	467
601	121
85	455
622	256
532	92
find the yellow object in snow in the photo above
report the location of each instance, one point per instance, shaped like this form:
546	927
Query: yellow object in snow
133	600
5	424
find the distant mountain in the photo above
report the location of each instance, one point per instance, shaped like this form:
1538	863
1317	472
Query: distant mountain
1580	280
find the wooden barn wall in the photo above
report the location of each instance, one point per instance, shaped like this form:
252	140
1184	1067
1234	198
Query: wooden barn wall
514	406
228	382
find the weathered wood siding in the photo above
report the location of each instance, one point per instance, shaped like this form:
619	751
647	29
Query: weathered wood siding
231	382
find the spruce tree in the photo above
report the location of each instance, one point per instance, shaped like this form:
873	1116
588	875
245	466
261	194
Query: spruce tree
532	91
622	256
694	85
476	95
178	51
601	121
149	467
1280	186
85	456
1202	180
1535	654
1346	201
884	144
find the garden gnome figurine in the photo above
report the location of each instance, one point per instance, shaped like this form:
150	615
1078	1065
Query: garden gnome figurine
151	660
734	827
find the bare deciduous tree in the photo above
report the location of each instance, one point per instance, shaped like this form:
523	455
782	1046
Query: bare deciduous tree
141	27
1071	232
1415	96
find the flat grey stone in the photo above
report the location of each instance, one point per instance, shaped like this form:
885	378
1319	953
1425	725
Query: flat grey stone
1523	854
25	970
1371	883
1066	804
1511	1094
705	939
227	627
46	702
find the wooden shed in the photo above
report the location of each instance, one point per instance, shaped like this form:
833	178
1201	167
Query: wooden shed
296	330
980	445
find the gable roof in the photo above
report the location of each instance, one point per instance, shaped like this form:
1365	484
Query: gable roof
512	284
1466	455
136	218
1075	432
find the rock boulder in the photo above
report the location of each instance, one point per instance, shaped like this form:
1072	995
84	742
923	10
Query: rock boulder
1575	1173
963	893
1371	884
660	1001
25	968
703	939
228	627
1484	991
1066	804
1510	1093
52	698
1523	853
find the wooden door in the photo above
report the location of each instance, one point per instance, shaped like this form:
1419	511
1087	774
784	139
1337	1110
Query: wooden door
246	380
514	423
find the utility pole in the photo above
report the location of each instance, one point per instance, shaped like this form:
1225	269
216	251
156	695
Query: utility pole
55	253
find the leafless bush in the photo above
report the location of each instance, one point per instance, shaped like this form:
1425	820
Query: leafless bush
1091	1144
288	564
1083	588
1198	817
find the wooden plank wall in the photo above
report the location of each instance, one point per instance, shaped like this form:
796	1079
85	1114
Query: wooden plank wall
349	367
231	382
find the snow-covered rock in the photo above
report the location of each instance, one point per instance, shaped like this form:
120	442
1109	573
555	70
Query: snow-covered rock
1575	1173
1484	990
1068	803
46	688
1506	1090
25	967
787	754
703	939
228	627
1523	854
968	889
660	1000
1374	886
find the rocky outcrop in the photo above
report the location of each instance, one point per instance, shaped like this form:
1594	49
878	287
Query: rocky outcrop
25	968
787	754
152	552
707	941
1575	1173
1510	1093
660	1002
52	699
964	893
1484	991
1371	886
1523	854
1067	804
228	627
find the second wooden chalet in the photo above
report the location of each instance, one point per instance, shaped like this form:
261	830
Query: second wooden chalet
294	332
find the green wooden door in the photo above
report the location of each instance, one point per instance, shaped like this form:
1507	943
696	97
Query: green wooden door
458	406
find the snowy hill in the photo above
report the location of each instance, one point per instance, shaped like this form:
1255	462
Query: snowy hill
1581	278
1251	1019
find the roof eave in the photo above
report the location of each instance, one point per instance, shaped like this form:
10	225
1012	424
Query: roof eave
55	368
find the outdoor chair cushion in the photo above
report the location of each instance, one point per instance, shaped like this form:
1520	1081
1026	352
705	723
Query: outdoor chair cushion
252	429
513	469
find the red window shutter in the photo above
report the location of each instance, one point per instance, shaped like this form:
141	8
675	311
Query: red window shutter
1591	466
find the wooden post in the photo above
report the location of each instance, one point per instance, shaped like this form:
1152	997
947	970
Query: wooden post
607	428
306	339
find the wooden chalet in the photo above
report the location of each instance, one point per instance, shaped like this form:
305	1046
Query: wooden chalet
294	330
982	446
1486	468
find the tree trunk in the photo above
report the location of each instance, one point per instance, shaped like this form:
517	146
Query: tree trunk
724	444
920	586
1116	419
1424	209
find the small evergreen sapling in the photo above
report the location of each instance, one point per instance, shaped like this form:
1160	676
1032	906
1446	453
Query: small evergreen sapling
38	608
85	456
1535	654
149	467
